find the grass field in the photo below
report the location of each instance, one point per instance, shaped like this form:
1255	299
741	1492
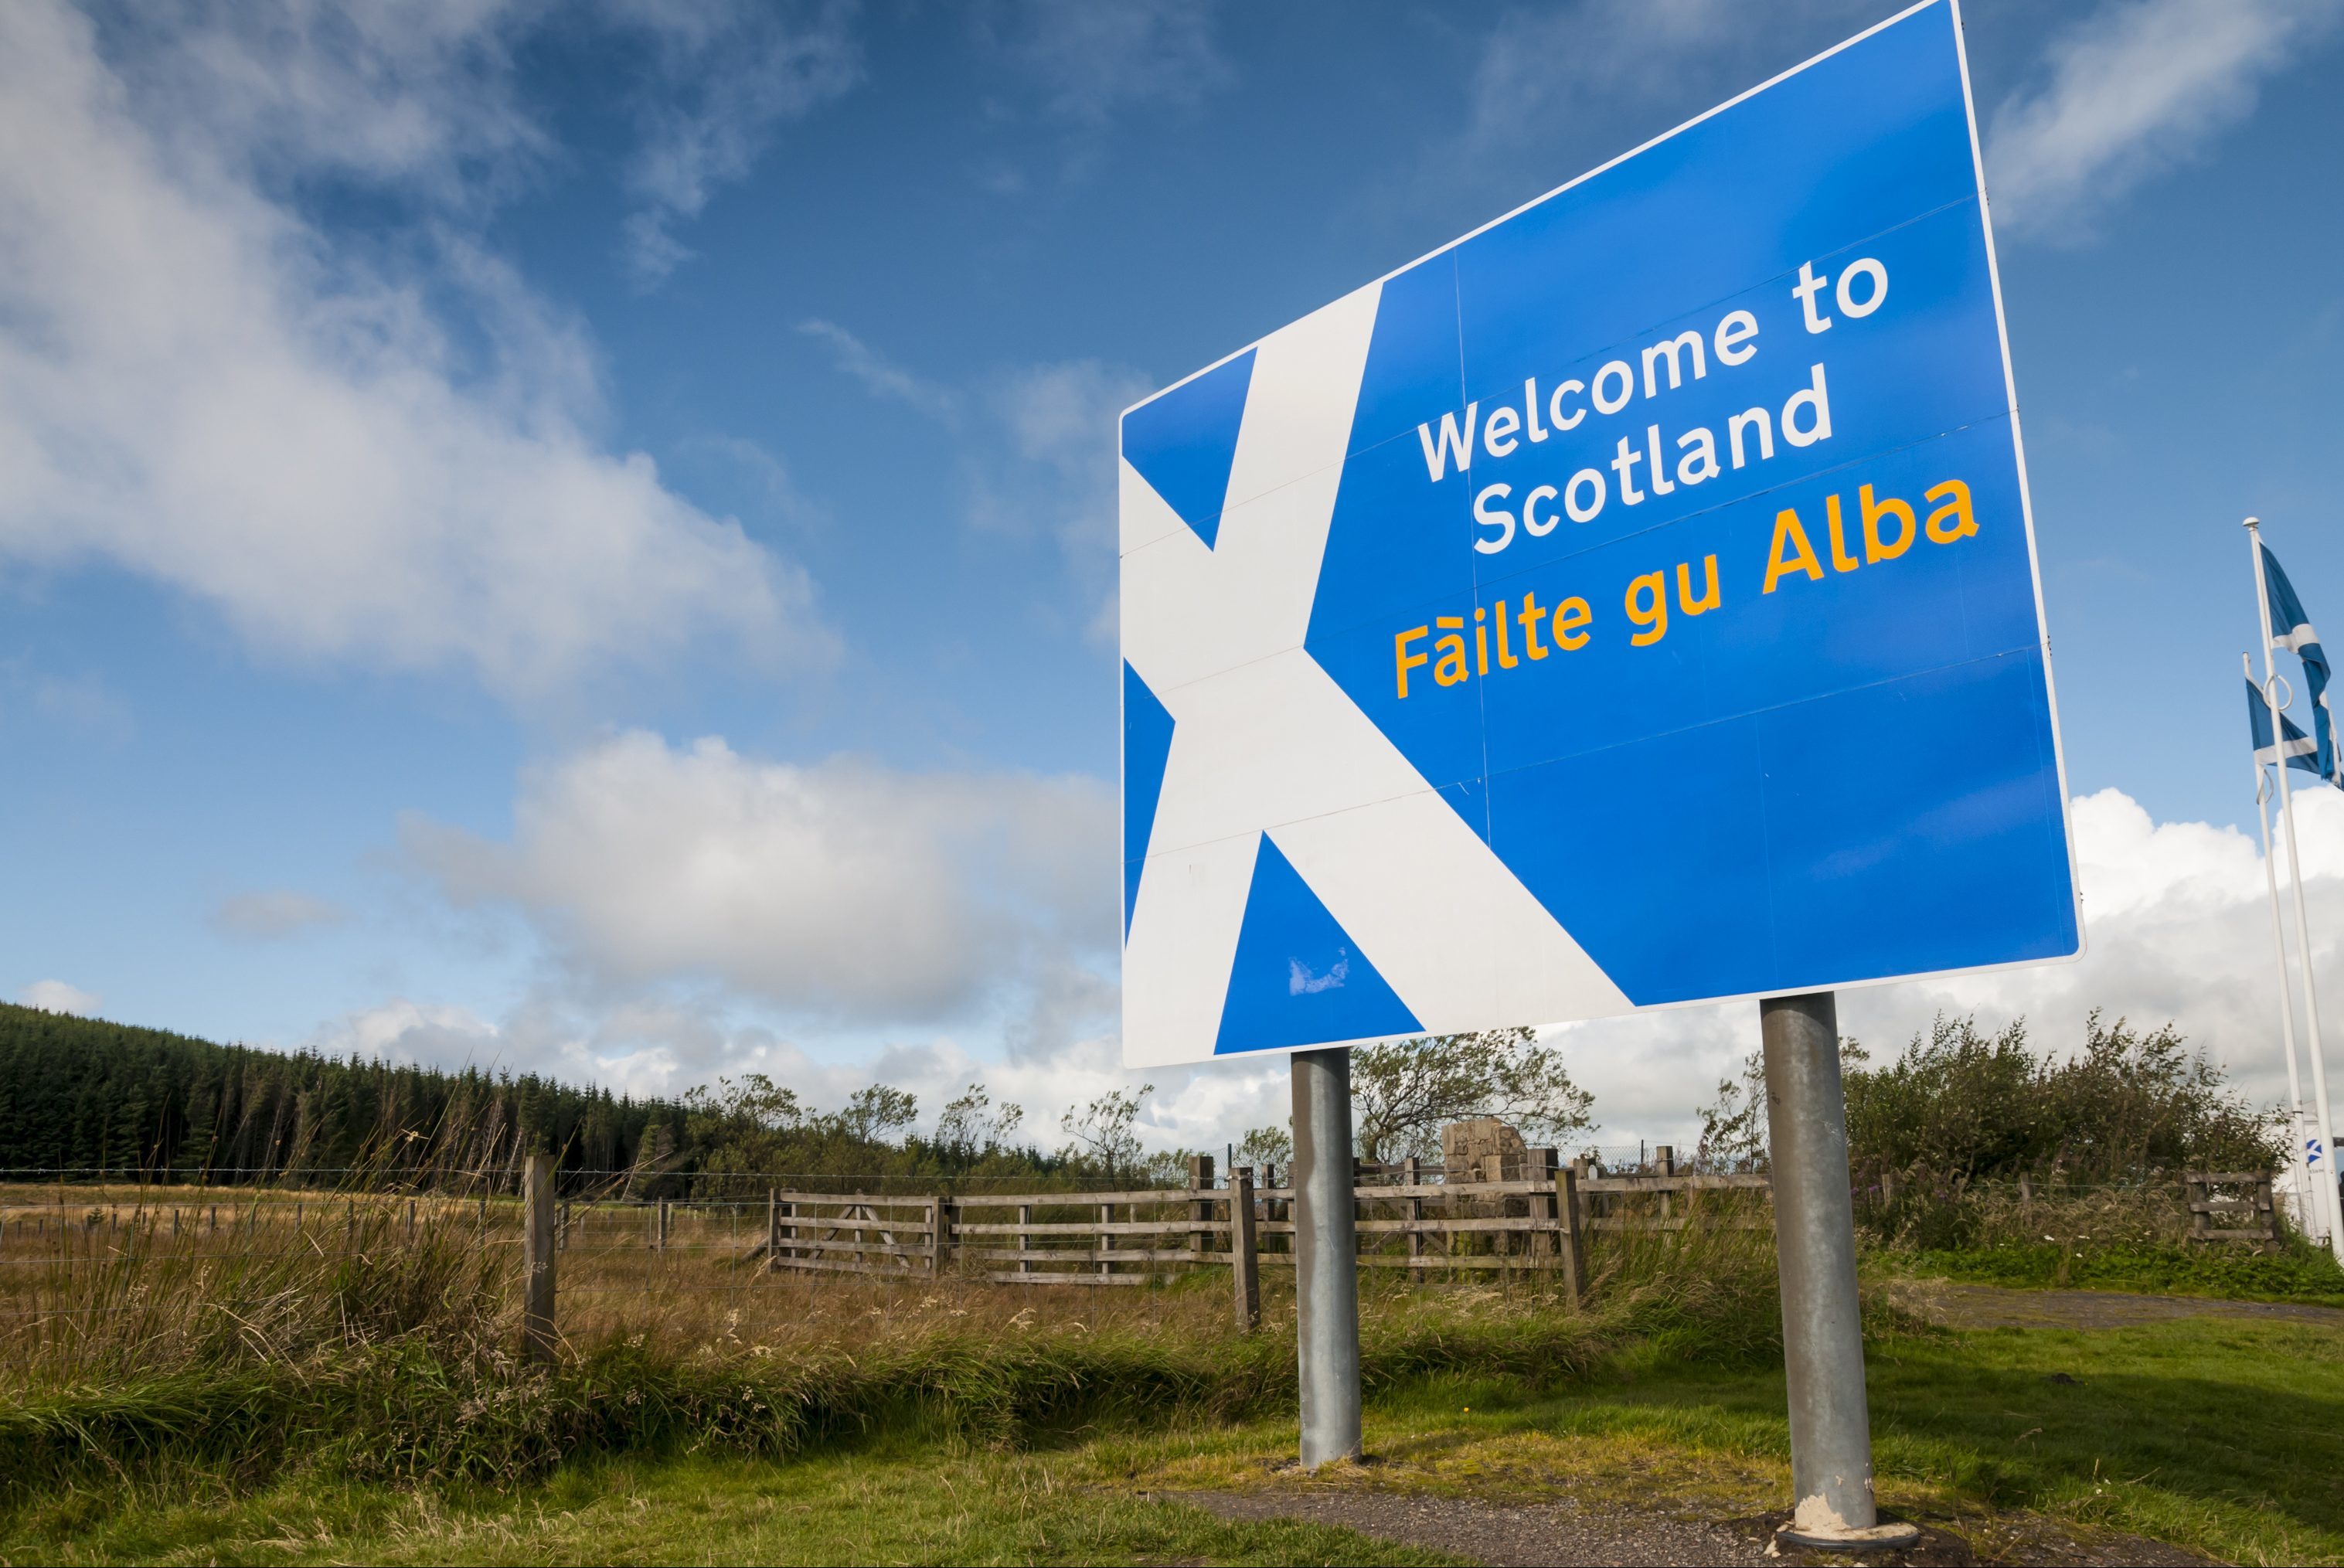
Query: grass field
2215	1435
2302	1273
339	1383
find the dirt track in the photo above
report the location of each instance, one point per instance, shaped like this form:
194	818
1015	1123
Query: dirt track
1992	1306
1561	1533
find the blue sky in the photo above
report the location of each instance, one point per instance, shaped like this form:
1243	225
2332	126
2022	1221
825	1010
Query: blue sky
579	535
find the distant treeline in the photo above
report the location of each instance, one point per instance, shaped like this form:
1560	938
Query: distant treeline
82	1095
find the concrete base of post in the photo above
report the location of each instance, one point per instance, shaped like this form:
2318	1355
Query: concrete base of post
1876	1538
1325	1257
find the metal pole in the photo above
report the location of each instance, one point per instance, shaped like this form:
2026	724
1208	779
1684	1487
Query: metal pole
1326	1256
1814	1243
2302	922
2309	1209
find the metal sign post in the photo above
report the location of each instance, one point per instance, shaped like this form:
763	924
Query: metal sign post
1325	1257
1814	1243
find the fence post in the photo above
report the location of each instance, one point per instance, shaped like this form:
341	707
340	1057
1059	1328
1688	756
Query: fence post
1244	1267
537	1258
1024	1243
1106	1241
772	1226
1566	1204
1664	1163
939	1234
1412	1176
1200	1209
2197	1194
1543	1204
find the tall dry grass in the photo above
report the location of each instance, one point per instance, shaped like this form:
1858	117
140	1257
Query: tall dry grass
1931	1213
376	1336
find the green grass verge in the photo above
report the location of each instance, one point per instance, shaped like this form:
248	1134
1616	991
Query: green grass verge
898	1502
2213	1433
2301	1273
2216	1434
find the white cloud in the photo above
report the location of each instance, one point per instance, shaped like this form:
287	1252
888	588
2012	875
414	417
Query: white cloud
268	913
56	997
636	1047
1048	468
1056	476
83	705
2135	88
772	480
844	889
1088	60
2178	924
402	1031
1540	68
195	385
609	844
1038	460
881	377
417	96
725	74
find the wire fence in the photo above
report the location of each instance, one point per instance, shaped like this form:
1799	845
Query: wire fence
156	1257
70	1238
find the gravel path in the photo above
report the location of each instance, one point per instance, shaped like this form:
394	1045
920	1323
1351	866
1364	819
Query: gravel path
1561	1533
1494	1533
1993	1306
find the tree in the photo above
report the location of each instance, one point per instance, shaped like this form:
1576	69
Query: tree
1403	1093
1734	1125
1265	1145
1963	1103
970	1128
876	1114
746	1126
1101	1132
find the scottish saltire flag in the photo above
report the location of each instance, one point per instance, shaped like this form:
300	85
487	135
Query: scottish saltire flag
2290	629
2301	751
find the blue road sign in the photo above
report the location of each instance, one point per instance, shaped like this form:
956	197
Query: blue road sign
1632	603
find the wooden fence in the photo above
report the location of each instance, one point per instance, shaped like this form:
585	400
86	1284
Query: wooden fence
2243	1198
1409	1219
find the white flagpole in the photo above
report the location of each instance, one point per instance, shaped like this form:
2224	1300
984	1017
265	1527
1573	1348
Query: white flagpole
2310	1207
2295	876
